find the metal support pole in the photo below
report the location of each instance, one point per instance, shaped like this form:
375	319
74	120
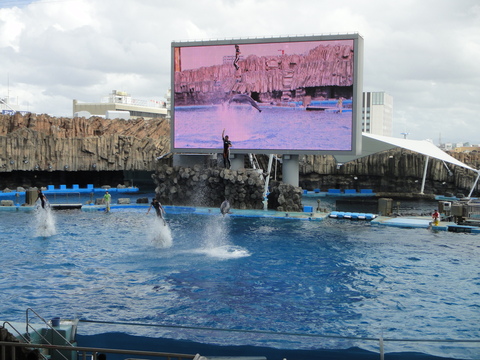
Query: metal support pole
267	180
290	169
424	174
382	353
474	184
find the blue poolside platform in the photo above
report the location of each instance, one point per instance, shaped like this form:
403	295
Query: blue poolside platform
89	189
339	193
424	223
351	215
410	222
75	189
307	214
315	216
405	222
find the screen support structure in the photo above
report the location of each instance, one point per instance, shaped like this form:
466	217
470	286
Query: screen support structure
237	161
290	169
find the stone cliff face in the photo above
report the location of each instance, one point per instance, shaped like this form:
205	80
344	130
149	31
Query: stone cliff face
208	187
396	170
41	142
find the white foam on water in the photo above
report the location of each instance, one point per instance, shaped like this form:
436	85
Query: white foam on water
225	252
217	240
159	233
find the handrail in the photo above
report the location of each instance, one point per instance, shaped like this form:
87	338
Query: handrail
28	326
46	323
95	351
15	329
266	332
20	335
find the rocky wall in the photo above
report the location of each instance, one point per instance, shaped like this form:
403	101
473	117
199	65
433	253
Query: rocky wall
44	143
396	170
285	197
209	187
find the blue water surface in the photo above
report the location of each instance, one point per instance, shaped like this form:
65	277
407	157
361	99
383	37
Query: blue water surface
327	278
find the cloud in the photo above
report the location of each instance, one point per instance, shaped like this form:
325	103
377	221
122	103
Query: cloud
423	53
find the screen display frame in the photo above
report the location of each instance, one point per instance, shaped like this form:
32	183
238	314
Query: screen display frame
353	147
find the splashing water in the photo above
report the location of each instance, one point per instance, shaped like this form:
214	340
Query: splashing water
160	233
216	240
45	222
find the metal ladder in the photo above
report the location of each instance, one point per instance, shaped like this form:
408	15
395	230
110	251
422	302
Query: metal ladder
41	338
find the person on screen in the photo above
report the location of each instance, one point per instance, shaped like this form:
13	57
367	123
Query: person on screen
237	57
340	105
226	150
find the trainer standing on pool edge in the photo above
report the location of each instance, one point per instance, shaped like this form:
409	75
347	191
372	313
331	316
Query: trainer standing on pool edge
227	144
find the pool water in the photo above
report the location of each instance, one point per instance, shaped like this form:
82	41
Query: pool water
331	277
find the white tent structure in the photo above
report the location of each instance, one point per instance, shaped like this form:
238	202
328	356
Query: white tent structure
372	144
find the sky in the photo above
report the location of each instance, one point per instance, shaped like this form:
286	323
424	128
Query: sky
424	53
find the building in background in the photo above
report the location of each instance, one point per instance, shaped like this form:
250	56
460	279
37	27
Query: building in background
119	104
7	107
377	113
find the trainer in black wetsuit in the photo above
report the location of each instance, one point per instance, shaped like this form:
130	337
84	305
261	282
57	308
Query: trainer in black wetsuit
42	198
226	150
158	208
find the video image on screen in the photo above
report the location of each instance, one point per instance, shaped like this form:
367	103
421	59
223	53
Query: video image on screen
274	97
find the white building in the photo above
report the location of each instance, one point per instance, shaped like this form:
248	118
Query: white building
377	113
9	108
121	102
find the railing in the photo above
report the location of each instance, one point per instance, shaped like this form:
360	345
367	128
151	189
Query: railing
380	341
88	352
81	353
91	353
19	335
40	336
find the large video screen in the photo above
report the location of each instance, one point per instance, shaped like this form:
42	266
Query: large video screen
284	96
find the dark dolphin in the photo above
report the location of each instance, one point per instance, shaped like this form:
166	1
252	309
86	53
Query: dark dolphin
225	207
244	99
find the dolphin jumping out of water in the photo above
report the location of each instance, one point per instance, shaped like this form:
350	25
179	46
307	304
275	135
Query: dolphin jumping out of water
244	99
225	207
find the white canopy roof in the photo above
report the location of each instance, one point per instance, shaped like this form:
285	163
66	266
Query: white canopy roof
372	144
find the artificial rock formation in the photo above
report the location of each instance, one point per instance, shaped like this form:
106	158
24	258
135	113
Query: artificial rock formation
209	187
40	142
393	171
285	197
43	144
